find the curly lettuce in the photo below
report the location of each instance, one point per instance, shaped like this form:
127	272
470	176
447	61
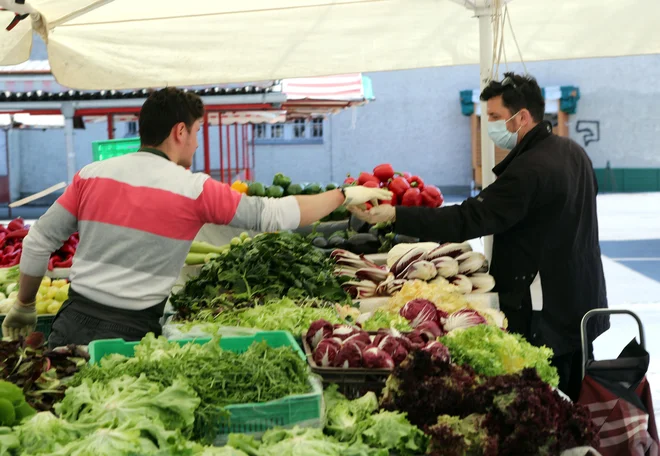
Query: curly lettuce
490	351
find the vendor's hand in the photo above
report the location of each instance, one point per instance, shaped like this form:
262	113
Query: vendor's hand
20	321
359	195
377	214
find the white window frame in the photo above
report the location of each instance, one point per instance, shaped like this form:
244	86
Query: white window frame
302	131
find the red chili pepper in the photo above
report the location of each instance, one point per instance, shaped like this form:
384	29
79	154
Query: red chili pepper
399	186
16	224
17	234
51	263
412	197
432	196
416	181
371	184
349	180
384	172
8	250
3	229
366	177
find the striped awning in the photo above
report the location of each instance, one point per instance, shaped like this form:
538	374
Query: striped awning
348	87
25	120
34	75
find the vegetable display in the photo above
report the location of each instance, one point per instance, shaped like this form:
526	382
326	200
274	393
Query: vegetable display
37	371
408	190
465	413
270	266
344	346
11	246
219	377
49	299
491	351
455	264
276	315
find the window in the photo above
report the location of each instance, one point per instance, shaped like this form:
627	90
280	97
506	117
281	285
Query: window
299	128
298	131
131	130
260	131
277	131
317	127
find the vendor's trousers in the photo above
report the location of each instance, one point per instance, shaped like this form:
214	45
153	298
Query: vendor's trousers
81	320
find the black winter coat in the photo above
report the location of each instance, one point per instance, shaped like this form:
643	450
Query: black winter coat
542	213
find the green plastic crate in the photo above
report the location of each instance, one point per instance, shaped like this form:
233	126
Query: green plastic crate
244	418
44	324
102	150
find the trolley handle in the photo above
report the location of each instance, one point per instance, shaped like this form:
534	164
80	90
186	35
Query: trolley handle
594	312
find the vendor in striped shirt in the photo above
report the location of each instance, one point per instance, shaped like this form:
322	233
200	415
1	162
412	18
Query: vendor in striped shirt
137	216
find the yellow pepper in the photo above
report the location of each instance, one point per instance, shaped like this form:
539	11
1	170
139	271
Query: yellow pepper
240	187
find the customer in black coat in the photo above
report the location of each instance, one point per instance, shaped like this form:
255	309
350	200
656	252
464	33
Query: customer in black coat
542	213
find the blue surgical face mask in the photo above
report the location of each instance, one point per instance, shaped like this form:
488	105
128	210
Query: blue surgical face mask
501	136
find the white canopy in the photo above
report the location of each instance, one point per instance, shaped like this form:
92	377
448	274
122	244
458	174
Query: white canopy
105	44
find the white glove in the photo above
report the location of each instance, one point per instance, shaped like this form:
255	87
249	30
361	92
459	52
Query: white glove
358	195
377	214
20	321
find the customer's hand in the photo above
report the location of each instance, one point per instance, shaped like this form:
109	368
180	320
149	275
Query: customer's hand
20	321
377	214
359	195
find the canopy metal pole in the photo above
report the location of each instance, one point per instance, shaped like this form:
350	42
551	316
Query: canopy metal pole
67	112
485	15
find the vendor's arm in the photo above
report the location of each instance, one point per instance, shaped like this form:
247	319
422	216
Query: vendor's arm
46	236
222	205
497	208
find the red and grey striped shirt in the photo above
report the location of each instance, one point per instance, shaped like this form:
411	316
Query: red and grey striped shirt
137	216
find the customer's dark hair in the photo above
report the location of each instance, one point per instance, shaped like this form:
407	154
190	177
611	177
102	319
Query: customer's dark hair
163	110
518	92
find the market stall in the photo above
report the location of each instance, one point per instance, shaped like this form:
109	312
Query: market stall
275	345
262	316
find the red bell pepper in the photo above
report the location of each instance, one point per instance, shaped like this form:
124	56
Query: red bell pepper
371	184
349	180
404	174
363	178
393	202
16	224
432	196
68	249
369	206
399	186
17	234
412	197
416	181
64	263
384	172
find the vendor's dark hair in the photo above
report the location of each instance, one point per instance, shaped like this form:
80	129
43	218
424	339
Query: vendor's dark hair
165	108
518	92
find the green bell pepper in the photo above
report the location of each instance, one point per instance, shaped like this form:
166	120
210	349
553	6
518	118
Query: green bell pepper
313	189
274	191
294	189
341	213
281	180
256	189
